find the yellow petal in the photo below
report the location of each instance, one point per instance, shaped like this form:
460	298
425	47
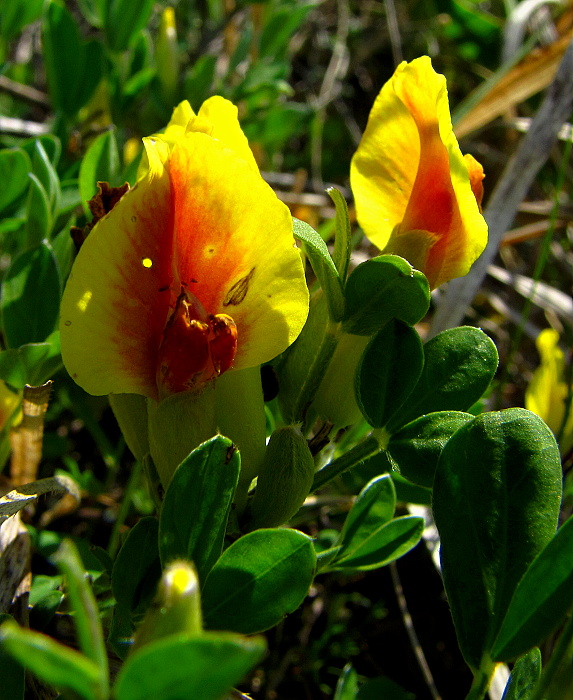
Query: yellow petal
408	174
202	235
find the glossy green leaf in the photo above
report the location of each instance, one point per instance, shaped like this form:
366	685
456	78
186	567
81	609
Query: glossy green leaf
418	446
30	297
52	662
14	168
525	675
185	667
388	371
458	368
383	544
542	600
323	266
100	164
16	14
50	143
258	580
343	233
497	492
197	504
39	220
12	672
86	614
32	364
347	685
137	569
73	67
381	289
374	507
124	21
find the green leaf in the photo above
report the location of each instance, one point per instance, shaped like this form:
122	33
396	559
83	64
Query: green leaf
32	364
52	662
30	297
323	266
47	175
137	569
86	613
418	446
199	79
73	67
374	506
100	164
347	685
93	11
384	544
14	168
11	671
39	220
124	21
174	668
197	504
280	27
381	289
16	14
524	677
542	600
342	235
388	371
458	368
497	492
258	580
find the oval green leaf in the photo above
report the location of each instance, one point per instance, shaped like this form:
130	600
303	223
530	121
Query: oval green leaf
197	504
374	506
418	446
381	289
497	493
458	368
542	600
389	370
257	581
174	668
14	168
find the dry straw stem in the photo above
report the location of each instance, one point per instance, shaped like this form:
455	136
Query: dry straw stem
510	191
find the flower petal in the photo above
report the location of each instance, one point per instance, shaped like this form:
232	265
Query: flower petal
235	249
116	301
408	175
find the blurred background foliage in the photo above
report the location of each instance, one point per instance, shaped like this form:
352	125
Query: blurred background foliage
82	81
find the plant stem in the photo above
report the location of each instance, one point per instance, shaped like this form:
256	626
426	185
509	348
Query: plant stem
367	448
132	484
480	683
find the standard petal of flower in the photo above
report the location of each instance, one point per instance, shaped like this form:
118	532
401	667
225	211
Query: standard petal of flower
422	183
234	248
116	301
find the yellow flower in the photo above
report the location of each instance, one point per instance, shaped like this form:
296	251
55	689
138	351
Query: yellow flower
193	272
416	195
547	392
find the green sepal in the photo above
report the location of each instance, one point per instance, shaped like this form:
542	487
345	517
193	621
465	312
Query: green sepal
130	411
381	289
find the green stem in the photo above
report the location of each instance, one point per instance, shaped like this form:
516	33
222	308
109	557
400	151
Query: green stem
358	453
132	485
480	683
555	663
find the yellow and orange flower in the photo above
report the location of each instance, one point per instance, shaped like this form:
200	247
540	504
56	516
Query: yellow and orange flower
193	272
416	195
548	392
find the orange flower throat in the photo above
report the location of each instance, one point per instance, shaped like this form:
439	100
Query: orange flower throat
195	346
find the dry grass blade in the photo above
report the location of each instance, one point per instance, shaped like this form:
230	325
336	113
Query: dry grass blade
26	438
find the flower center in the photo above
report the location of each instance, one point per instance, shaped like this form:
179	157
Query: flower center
195	348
